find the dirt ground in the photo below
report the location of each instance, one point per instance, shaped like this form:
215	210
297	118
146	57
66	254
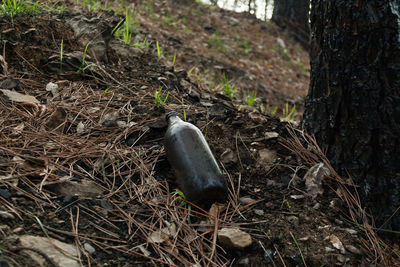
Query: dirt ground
84	164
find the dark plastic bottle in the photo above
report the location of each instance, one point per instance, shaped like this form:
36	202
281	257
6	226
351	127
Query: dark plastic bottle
196	169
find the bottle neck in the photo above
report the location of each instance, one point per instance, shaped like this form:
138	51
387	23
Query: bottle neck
173	119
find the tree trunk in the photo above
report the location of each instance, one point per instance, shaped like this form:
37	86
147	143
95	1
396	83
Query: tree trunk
294	15
353	104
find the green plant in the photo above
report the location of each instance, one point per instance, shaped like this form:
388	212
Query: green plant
298	247
173	60
184	115
61	53
251	98
125	27
159	50
91	5
158	97
274	110
107	91
190	71
15	7
228	89
179	195
82	68
215	41
288	115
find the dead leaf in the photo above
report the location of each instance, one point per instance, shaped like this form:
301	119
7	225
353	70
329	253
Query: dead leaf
21	98
158	236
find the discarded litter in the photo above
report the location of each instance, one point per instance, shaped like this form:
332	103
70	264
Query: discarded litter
197	171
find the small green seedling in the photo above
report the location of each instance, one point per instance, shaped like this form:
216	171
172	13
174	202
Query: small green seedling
173	60
190	71
184	115
158	98
107	91
159	50
15	7
228	89
288	115
180	195
61	53
251	98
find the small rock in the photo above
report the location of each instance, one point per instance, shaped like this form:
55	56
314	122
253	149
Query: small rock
297	196
271	135
293	220
158	236
85	188
112	116
80	127
122	124
329	250
17	230
53	88
281	43
244	261
259	212
6	215
257	117
314	177
234	238
51	247
304	238
228	156
10	84
89	248
246	200
354	250
333	203
338	221
351	231
336	243
267	156
316	206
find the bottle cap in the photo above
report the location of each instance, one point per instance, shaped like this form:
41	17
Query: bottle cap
170	114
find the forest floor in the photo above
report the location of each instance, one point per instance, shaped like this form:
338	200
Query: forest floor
84	179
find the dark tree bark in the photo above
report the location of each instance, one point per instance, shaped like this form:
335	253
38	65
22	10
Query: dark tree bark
353	104
293	14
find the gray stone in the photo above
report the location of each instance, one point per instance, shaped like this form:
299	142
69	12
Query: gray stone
89	248
53	248
353	250
259	212
234	238
271	135
267	156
